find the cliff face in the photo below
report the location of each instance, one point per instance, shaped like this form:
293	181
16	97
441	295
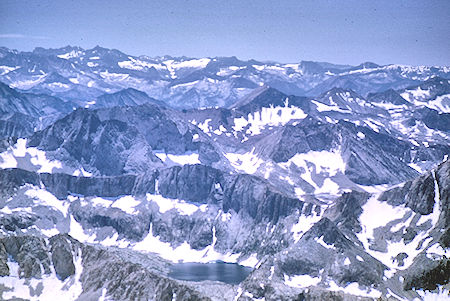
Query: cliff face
327	246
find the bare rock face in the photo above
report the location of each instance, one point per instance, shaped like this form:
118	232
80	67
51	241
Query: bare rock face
16	221
347	210
430	277
31	253
133	228
295	262
11	179
124	274
189	182
62	249
369	161
420	197
106	146
419	194
443	181
4	269
63	184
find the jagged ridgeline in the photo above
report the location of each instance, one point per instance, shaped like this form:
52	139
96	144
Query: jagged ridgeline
308	181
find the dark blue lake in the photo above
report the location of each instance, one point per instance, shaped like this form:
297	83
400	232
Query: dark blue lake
230	273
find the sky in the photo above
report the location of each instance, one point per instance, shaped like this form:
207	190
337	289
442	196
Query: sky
408	32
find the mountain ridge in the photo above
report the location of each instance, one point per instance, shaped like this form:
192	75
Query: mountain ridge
193	82
114	169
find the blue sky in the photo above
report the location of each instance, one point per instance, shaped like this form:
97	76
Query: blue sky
349	31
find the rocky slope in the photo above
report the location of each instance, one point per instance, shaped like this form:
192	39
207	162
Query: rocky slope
372	245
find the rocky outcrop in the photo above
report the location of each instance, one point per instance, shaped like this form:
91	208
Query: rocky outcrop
376	159
31	253
125	97
419	194
16	127
309	135
257	198
430	277
433	119
309	257
62	248
11	179
14	222
189	182
107	147
131	227
62	184
443	182
197	183
347	209
4	268
127	280
114	141
121	275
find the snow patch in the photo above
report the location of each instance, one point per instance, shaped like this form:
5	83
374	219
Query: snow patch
251	261
321	107
194	63
82	172
377	214
325	163
271	116
69	289
247	162
442	294
330	162
324	244
44	198
303	225
69	55
6	69
183	252
36	156
166	204
436	250
136	64
301	281
354	289
126	204
184	159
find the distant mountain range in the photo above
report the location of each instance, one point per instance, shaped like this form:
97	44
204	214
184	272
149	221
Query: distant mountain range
76	74
331	182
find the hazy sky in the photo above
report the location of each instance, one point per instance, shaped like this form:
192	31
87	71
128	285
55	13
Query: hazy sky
405	32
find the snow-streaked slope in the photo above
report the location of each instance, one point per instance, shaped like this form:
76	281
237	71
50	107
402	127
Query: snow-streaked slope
34	159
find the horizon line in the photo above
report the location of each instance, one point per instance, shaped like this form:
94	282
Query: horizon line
200	57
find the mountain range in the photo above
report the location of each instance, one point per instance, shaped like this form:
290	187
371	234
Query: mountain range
73	73
330	181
